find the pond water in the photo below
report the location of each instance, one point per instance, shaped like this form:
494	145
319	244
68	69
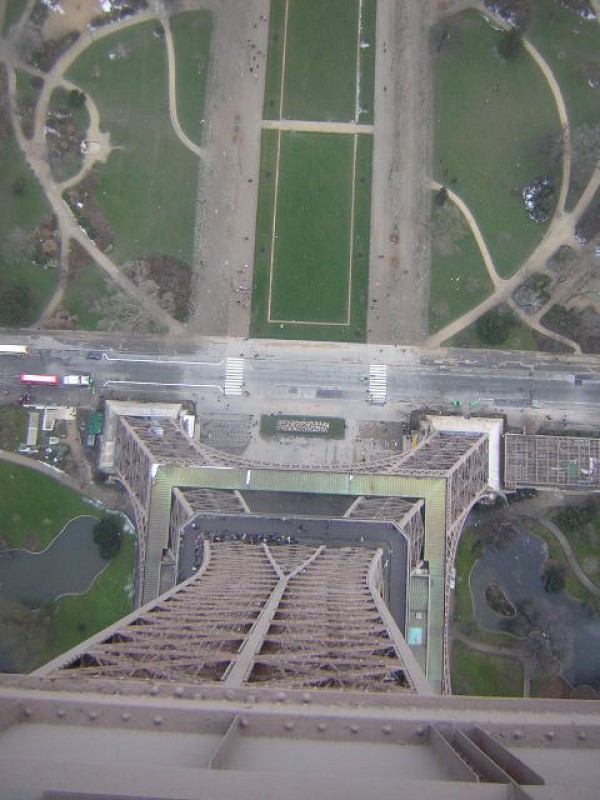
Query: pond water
67	566
518	568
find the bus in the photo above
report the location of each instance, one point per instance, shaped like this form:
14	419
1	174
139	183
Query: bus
40	380
14	349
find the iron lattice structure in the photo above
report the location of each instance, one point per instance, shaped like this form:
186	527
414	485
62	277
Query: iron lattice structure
569	462
427	491
289	616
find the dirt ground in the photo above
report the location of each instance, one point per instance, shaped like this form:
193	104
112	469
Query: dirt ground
70	15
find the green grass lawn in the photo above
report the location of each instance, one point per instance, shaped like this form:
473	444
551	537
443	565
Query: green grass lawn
463	616
23	209
571	46
459	279
86	295
13	421
555	553
12	14
191	32
484	675
148	188
109	599
490	116
311	257
367	62
320	60
274	60
520	337
28	92
35	507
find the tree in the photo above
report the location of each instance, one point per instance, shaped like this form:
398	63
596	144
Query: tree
441	196
494	326
511	44
553	577
76	98
107	535
547	631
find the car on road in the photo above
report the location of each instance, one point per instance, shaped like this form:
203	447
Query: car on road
95	355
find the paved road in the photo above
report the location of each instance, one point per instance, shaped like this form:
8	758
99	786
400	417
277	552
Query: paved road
317	377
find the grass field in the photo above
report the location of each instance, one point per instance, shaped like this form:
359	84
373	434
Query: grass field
12	14
13	421
311	272
490	116
86	293
459	279
571	46
191	32
520	337
36	508
109	599
148	188
484	675
320	60
315	60
22	212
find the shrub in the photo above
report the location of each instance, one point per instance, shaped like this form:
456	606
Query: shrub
107	535
494	327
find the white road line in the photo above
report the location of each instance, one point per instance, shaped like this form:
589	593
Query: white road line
273	227
150	360
234	376
169	385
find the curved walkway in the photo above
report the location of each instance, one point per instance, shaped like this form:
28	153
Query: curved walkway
35	153
39	466
172	73
560	537
561	230
497	650
475	230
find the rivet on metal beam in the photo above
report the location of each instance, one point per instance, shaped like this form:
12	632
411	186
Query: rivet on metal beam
93	715
280	697
306	697
244	722
550	735
354	729
153	690
386	730
26	711
60	713
420	730
289	725
582	736
322	726
179	691
517	734
125	716
158	720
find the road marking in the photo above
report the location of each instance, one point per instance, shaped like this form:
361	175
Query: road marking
378	384
150	360
168	385
234	376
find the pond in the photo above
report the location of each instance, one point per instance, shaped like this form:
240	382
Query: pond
68	565
518	569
